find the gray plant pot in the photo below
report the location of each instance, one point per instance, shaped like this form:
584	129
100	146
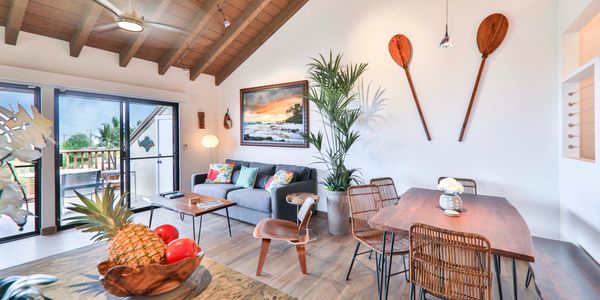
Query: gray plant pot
338	211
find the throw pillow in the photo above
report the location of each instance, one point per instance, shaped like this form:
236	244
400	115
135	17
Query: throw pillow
219	173
247	177
281	178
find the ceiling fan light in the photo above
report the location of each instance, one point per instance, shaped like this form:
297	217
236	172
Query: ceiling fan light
130	24
446	42
226	24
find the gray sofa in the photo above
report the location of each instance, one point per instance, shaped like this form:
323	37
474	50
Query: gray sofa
256	204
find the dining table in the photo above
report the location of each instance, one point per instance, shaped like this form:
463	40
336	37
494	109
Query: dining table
493	217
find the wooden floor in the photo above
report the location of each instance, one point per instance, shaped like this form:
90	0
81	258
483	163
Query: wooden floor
328	259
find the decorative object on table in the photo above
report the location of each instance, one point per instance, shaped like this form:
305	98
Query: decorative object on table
167	233
22	137
280	178
136	254
274	115
247	177
401	51
22	287
146	143
451	213
490	35
227	122
219	173
210	141
332	93
450	199
469	185
446	42
201	123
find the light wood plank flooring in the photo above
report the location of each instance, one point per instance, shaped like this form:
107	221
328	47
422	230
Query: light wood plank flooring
328	259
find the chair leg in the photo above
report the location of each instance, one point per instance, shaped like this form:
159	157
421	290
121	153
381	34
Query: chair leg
353	259
497	266
411	292
264	248
301	249
405	269
529	276
377	269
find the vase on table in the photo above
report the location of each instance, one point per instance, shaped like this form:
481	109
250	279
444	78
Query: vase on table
338	211
450	201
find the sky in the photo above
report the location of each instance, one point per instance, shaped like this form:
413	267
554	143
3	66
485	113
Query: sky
271	105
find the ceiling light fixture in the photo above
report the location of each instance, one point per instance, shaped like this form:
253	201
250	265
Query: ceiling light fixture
226	23
130	20
446	42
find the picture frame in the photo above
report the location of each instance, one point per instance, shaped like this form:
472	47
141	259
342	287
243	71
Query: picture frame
275	115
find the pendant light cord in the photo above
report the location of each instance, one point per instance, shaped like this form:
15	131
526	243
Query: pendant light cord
446	16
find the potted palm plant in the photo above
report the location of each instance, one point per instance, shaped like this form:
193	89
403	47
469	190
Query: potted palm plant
332	92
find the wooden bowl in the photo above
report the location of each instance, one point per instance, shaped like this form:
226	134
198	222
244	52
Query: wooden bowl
148	280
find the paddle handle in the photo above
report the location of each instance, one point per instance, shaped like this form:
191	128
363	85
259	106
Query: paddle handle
468	114
414	93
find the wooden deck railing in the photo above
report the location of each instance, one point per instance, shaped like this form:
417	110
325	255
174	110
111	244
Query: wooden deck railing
103	159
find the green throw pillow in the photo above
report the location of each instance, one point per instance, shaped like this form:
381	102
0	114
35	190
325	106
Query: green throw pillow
247	177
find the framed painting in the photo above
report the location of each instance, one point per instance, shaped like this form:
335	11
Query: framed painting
274	115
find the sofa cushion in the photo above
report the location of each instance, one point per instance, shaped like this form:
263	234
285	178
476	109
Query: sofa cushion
255	199
218	190
300	173
263	169
247	177
261	181
237	165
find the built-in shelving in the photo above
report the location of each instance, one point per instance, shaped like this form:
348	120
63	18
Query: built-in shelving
579	112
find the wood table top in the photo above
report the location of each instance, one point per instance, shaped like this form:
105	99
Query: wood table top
493	217
182	204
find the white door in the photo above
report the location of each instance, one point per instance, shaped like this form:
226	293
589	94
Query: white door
165	148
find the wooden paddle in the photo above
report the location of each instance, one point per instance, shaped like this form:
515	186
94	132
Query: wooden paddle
401	51
490	35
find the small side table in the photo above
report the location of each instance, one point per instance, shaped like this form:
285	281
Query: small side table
298	199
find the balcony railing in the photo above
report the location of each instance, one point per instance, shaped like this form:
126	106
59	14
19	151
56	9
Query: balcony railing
103	159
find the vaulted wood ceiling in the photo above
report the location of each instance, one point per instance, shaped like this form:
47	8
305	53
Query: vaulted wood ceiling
208	48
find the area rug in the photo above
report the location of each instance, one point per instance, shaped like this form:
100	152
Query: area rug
78	279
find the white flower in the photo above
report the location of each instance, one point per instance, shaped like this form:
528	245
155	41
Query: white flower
450	186
5	177
11	202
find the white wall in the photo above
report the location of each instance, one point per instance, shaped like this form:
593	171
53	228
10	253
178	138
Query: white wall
511	145
578	180
46	62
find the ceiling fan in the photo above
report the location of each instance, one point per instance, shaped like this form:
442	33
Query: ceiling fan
128	19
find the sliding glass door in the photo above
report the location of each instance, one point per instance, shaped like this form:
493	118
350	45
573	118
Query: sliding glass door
28	174
107	140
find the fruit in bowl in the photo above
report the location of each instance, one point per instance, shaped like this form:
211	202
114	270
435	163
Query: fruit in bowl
167	233
136	254
181	249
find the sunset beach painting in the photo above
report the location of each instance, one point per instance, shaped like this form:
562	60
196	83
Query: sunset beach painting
274	115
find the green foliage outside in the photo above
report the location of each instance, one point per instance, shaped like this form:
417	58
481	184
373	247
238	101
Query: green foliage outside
76	142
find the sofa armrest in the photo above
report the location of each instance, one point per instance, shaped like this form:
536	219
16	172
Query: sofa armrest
198	178
280	208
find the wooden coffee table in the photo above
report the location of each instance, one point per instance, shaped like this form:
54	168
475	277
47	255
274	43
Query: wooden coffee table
183	207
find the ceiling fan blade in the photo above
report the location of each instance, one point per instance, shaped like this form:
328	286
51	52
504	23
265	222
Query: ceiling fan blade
106	27
110	6
166	27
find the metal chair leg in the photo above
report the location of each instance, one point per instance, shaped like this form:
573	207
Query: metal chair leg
497	267
405	269
377	265
411	292
529	276
353	259
383	264
421	294
389	270
514	271
370	253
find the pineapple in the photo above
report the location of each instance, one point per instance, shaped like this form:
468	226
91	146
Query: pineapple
133	245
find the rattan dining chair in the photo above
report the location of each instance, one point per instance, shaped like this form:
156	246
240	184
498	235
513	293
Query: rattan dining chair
387	190
449	264
469	184
284	230
365	201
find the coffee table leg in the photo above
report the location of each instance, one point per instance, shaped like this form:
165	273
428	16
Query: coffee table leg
228	223
194	227
151	214
200	229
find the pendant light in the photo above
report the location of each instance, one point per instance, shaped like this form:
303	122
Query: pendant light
446	42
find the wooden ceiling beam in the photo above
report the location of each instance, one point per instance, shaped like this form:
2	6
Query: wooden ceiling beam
291	9
230	35
86	25
14	20
202	18
132	48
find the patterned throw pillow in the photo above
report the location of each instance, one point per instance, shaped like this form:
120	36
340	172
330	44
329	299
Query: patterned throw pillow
282	177
219	173
247	177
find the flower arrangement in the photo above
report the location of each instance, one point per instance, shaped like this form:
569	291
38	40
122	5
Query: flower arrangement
22	137
450	186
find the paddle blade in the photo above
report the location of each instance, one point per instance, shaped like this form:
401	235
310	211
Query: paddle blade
491	33
401	50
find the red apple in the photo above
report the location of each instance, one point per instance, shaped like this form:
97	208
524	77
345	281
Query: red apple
167	233
180	249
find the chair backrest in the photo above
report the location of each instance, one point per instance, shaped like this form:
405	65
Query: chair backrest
450	264
365	201
469	184
387	190
305	212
